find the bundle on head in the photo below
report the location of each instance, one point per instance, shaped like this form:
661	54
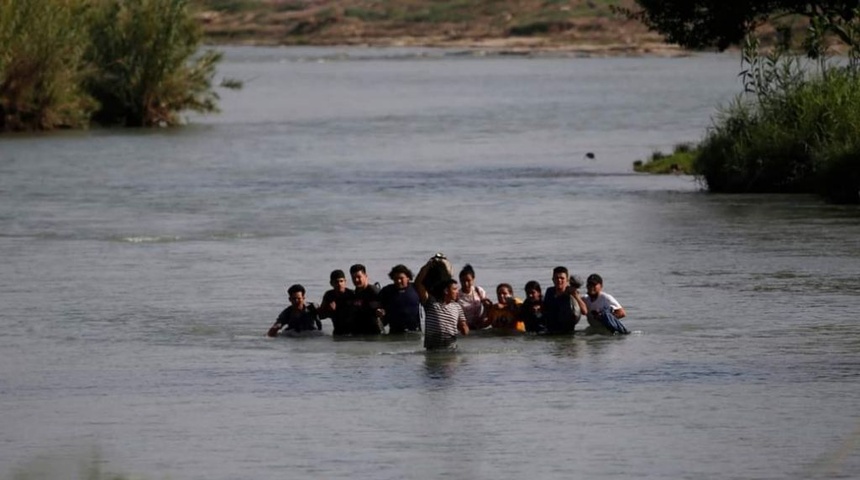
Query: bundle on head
439	269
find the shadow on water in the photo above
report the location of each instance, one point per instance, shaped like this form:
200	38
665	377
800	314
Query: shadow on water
577	346
441	366
387	338
74	465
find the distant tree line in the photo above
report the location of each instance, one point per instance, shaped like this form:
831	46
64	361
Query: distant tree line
67	63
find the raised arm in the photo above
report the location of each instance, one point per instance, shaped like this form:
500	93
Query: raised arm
423	295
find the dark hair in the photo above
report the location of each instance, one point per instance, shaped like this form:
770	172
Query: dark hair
297	288
439	288
560	269
504	285
336	275
594	279
467	270
398	269
532	285
357	268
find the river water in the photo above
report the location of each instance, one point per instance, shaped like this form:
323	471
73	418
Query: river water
142	268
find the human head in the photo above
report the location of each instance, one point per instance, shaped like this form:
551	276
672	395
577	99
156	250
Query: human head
467	278
359	275
337	280
446	291
594	284
533	291
400	275
297	295
560	277
503	292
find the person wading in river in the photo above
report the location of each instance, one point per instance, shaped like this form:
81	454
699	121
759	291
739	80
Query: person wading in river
562	305
399	303
336	304
364	303
298	317
443	316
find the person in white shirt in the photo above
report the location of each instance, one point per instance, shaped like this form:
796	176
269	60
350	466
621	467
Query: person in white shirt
599	303
473	299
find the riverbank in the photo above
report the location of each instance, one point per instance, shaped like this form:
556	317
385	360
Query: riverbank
572	27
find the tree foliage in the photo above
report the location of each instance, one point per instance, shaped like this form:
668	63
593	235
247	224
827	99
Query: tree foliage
42	65
147	71
700	24
65	63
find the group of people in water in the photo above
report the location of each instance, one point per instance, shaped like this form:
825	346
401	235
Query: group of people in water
449	308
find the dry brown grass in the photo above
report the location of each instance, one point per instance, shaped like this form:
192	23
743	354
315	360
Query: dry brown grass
586	26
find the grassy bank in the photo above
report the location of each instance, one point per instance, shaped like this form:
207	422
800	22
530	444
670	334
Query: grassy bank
680	161
67	63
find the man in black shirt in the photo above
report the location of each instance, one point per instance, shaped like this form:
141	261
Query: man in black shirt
337	304
364	303
562	305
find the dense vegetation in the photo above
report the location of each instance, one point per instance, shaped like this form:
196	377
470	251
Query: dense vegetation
722	23
66	63
798	136
796	127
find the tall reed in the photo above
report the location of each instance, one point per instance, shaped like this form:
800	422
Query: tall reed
65	63
802	137
145	63
42	67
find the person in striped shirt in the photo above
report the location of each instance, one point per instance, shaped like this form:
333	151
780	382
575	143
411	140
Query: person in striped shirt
443	316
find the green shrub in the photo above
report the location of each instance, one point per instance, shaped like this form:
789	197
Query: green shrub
42	69
540	27
65	63
449	11
146	68
839	179
228	6
801	138
364	14
681	160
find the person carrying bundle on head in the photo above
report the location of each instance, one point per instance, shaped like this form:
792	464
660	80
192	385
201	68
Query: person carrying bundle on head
443	316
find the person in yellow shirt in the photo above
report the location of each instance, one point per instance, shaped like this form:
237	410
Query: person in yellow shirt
502	316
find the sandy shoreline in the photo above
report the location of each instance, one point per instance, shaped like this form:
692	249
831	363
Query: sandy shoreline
532	46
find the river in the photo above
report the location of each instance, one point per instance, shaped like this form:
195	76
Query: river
142	268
